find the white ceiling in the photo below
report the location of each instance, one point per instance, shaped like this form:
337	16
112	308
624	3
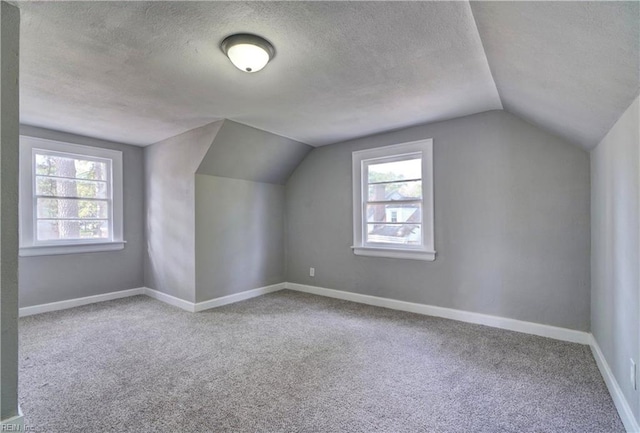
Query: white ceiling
139	72
569	67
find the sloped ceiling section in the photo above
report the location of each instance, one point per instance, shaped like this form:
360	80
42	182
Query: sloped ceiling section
242	152
571	68
139	72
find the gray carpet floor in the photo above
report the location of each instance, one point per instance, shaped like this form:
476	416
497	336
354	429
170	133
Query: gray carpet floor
292	362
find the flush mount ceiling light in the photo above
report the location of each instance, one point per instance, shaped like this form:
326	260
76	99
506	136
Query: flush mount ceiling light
249	53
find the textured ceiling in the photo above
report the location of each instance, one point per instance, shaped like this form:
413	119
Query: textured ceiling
140	72
569	67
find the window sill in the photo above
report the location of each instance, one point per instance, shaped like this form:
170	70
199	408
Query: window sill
51	250
394	253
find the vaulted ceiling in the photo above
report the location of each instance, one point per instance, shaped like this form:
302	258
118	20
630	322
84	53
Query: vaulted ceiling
139	72
569	67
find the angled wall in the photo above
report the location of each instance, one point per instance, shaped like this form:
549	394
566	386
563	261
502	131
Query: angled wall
215	210
511	223
170	168
240	210
615	231
242	152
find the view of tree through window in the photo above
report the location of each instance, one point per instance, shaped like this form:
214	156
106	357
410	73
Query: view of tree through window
72	197
394	201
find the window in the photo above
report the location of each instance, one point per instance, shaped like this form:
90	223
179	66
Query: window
393	201
70	198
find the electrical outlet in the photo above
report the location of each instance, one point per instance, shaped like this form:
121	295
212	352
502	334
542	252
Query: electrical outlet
312	272
633	375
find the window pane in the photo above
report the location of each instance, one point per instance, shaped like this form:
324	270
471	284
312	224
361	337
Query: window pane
70	188
74	209
397	170
60	166
395	191
394	213
72	229
400	234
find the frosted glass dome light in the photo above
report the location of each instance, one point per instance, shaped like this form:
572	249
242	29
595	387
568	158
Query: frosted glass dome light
249	53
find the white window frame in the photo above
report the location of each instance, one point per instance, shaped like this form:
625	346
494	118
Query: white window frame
360	159
29	245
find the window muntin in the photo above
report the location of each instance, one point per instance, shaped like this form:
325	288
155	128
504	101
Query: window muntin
70	198
394	186
393	201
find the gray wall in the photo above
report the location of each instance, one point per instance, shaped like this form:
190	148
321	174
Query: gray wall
511	223
45	279
169	170
215	210
615	215
239	236
242	152
9	118
239	202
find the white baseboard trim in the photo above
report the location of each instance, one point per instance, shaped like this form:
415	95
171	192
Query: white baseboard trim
171	300
160	296
211	303
14	424
624	409
77	302
449	313
570	335
237	297
430	310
